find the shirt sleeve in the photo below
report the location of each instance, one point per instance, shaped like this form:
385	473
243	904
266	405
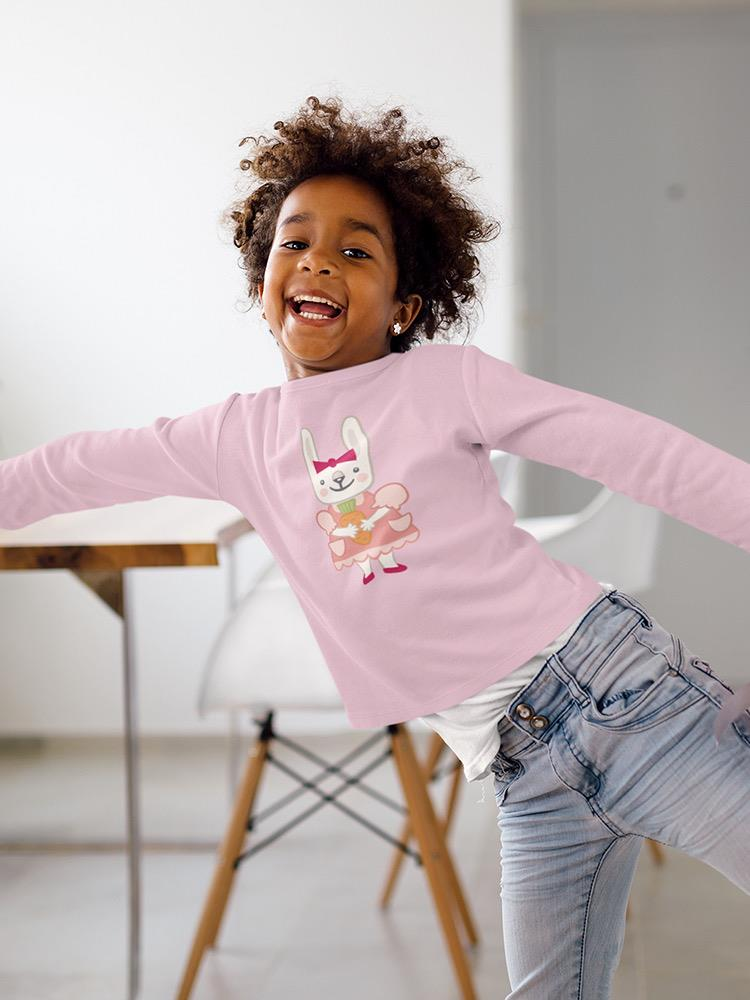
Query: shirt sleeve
630	452
173	456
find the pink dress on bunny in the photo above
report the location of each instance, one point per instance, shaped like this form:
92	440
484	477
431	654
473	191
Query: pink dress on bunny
390	532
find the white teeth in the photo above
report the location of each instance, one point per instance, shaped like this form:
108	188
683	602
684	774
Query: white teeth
308	315
315	298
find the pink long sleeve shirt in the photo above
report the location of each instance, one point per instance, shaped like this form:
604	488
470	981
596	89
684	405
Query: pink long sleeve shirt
373	489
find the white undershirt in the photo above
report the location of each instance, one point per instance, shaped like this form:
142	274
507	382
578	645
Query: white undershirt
470	728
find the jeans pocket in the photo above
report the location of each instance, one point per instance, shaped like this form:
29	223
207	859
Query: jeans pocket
506	770
640	682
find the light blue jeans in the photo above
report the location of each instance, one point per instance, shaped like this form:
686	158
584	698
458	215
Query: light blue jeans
610	743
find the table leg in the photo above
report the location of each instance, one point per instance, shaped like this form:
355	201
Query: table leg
235	725
115	589
132	790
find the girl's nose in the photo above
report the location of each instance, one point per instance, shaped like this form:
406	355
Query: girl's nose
316	260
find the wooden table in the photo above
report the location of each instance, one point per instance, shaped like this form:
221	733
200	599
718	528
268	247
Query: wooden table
100	546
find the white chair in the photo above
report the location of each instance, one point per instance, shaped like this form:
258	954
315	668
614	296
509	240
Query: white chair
265	662
613	538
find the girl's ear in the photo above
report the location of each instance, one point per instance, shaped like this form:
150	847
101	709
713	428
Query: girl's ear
408	311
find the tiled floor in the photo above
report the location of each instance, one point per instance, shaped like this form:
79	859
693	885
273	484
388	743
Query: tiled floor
303	918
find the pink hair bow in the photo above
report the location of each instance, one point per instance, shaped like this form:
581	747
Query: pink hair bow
348	456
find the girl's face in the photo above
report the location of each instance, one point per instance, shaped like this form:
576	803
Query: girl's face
331	251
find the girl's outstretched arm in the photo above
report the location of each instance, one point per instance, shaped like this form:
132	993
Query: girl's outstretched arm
174	456
642	456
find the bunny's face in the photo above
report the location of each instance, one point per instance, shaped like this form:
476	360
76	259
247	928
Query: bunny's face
344	475
342	481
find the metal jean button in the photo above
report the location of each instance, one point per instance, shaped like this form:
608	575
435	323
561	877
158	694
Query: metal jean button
524	711
540	721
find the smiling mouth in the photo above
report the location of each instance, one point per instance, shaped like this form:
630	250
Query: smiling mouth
340	489
312	317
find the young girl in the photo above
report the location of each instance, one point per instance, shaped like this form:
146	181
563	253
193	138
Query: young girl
367	474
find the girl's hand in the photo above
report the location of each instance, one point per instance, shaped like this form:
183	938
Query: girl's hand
367	525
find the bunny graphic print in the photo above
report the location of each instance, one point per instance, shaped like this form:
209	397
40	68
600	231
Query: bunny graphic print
361	525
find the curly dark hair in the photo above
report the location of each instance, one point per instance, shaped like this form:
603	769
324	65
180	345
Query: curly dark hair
435	227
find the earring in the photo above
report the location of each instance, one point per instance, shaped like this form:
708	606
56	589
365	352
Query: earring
396	329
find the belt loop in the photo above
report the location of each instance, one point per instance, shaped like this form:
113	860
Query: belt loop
636	606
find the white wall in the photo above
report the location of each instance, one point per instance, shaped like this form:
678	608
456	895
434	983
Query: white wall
118	299
636	141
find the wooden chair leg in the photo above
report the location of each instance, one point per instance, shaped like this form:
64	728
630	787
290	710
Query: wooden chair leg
443	825
398	857
435	750
229	850
441	874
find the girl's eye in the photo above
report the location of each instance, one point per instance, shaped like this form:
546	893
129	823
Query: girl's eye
355	249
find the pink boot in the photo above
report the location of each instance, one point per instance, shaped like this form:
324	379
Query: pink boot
398	568
370	576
